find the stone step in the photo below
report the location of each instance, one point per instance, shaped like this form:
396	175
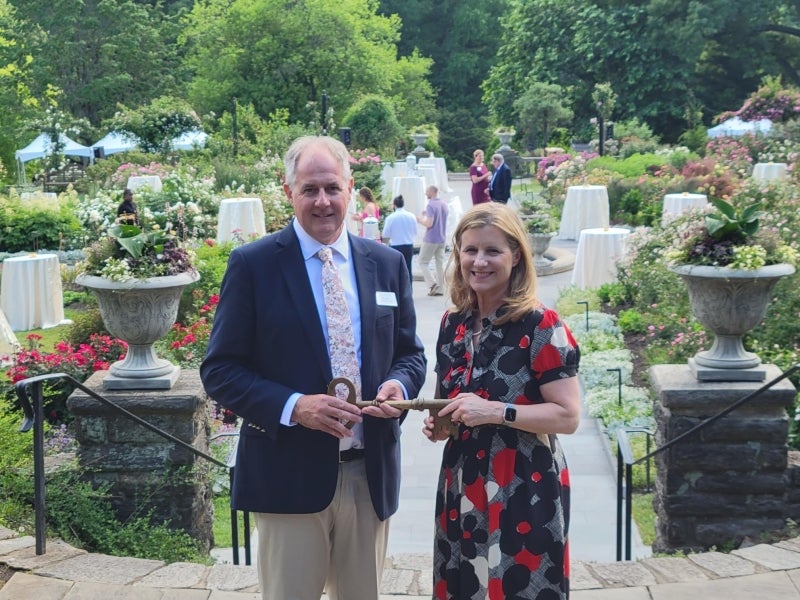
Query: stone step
64	570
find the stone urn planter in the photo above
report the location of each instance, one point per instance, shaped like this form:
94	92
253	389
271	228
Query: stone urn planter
505	138
540	242
419	140
729	303
139	312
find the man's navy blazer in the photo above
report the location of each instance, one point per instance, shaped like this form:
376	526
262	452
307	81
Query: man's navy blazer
500	190
267	343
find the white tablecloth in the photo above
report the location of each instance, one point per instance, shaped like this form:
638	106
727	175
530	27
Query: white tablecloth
151	181
769	171
38	195
429	175
392	170
440	167
31	295
596	257
586	206
241	217
676	204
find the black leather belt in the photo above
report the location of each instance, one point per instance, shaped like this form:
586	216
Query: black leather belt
351	454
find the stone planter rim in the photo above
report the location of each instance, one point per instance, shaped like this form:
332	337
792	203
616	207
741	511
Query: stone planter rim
778	270
162	281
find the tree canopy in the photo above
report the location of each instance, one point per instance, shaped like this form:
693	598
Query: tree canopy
271	57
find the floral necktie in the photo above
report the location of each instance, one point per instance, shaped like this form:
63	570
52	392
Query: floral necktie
341	341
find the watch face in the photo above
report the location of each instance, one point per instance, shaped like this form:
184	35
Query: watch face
510	414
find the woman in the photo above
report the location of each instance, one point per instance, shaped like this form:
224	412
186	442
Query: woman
480	175
369	209
509	366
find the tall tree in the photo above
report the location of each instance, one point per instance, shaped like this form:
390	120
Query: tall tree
16	99
462	38
264	53
655	54
101	52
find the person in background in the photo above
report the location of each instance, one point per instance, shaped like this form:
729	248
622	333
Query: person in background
479	174
500	183
321	492
435	220
127	212
370	209
509	366
401	229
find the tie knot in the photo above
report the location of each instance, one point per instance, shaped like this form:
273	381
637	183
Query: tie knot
325	254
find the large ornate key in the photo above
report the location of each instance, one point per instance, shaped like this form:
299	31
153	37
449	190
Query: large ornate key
431	404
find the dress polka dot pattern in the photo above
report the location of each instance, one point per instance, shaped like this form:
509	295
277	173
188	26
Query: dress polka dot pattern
502	505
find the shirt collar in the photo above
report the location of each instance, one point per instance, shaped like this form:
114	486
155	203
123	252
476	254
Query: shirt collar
309	246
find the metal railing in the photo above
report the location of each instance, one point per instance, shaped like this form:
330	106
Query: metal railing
30	394
626	462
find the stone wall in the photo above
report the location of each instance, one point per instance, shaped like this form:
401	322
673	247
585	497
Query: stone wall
729	480
145	471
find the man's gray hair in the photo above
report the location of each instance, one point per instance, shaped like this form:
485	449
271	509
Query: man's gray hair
498	156
337	149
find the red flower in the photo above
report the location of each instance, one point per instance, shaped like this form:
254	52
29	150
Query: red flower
525	341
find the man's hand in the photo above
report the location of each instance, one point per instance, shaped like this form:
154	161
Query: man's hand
391	390
326	413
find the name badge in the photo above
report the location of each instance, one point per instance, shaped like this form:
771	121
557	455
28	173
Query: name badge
385	299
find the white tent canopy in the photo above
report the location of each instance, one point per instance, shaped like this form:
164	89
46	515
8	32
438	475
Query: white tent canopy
114	142
190	140
736	126
41	147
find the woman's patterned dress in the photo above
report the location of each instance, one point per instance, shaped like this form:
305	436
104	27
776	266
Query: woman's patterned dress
502	504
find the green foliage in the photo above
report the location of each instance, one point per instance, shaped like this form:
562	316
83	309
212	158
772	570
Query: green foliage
265	55
732	223
25	226
635	165
156	124
125	50
541	108
570	296
82	516
632	321
373	123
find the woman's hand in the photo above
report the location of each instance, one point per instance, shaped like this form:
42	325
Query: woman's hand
472	410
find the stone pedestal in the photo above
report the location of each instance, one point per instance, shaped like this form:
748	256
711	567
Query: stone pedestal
728	480
144	470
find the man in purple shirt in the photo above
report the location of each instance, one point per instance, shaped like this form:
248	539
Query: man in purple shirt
435	220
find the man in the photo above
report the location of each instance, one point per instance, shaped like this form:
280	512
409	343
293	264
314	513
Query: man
322	493
435	220
401	229
500	184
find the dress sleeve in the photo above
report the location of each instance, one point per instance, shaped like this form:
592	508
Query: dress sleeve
554	352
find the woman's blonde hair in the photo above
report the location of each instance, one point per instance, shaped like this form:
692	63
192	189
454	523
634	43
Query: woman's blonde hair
521	298
475	154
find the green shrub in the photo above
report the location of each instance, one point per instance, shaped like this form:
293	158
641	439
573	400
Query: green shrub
632	321
27	226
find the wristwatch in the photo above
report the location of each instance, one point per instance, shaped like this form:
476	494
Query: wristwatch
509	414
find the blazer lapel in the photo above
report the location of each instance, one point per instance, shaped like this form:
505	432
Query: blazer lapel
366	269
293	270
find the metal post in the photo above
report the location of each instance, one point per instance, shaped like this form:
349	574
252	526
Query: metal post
619	385
619	503
234	523
586	310
324	112
629	512
235	126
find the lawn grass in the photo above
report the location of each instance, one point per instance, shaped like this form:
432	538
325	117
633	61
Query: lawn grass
645	517
222	522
